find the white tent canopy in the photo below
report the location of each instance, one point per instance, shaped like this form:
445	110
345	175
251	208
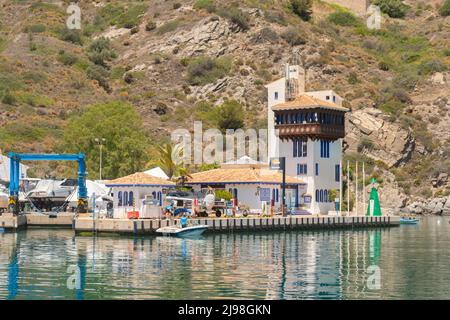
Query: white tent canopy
5	170
157	172
100	191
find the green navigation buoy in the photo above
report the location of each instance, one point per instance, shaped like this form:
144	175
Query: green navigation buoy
374	209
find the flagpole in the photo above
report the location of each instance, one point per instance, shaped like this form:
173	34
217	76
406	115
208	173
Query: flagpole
348	188
356	189
364	187
340	188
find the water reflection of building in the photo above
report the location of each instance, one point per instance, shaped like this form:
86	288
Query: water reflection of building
277	265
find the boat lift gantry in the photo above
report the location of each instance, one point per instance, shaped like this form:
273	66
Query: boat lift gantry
15	159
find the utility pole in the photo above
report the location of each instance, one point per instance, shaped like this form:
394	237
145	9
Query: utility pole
100	143
356	189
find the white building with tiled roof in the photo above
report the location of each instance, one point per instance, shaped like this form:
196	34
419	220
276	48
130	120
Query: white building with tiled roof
129	192
250	184
307	128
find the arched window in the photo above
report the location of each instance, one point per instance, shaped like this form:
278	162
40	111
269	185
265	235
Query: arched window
307	117
130	198
296	117
317	195
321	196
125	198
119	198
325	196
154	195
301	117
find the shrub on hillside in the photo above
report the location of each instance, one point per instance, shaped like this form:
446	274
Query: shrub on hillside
203	70
393	8
150	25
230	115
208	5
100	52
70	35
432	66
169	26
236	16
67	58
293	36
343	18
100	74
445	9
302	8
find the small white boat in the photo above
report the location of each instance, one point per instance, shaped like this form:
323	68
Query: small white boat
186	232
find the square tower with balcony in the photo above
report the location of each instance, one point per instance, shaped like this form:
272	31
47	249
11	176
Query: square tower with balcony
307	128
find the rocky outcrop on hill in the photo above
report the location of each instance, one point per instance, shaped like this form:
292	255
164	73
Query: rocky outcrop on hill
435	206
384	141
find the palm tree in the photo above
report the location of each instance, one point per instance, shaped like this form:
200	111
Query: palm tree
183	176
168	159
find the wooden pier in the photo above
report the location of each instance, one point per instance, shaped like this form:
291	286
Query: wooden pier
149	226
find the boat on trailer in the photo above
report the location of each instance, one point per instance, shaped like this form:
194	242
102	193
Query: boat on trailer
186	232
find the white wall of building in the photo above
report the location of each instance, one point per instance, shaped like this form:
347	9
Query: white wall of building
139	194
249	196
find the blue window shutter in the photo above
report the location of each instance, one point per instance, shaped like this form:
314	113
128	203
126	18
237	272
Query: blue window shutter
294	145
321	196
160	198
276	195
305	169
321	148
317	195
125	198
119	196
130	198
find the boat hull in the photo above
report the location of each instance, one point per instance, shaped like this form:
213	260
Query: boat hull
408	221
187	232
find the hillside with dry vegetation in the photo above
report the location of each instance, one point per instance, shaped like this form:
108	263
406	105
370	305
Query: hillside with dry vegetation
175	61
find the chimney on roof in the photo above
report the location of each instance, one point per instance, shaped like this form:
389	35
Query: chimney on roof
295	81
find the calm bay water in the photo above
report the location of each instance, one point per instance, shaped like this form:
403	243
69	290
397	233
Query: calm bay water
413	262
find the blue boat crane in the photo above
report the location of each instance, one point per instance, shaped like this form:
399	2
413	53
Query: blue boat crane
15	159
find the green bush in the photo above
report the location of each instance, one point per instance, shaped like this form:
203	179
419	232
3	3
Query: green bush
203	70
230	115
365	144
71	35
150	25
169	26
302	8
236	16
35	28
343	18
432	66
67	58
294	36
223	194
100	52
393	8
100	74
9	99
205	4
445	9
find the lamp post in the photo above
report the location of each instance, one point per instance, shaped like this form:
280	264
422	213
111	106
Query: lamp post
100	143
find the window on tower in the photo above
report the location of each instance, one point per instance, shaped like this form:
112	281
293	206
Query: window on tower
324	149
275	95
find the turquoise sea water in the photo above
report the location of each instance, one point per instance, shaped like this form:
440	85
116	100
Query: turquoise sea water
412	262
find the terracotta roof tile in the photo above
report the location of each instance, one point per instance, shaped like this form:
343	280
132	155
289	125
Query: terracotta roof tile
241	175
305	101
140	178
